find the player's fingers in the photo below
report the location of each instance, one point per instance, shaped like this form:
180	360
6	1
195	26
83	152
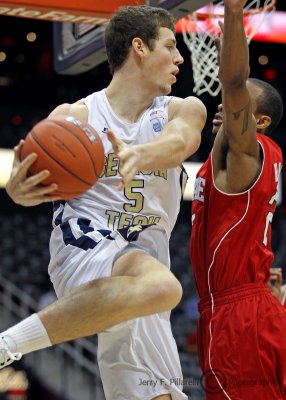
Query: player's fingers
36	179
116	143
43	190
278	281
274	270
273	277
48	196
17	150
36	200
128	172
121	185
23	166
48	199
40	194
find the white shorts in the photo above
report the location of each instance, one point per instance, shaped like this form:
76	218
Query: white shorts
138	359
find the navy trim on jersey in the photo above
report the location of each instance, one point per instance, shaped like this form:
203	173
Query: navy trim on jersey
56	205
131	233
105	233
83	242
84	223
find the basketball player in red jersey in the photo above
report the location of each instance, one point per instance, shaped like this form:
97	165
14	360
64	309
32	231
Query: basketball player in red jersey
100	277
241	330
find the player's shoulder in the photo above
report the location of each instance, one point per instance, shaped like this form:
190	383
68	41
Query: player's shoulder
190	105
78	110
267	141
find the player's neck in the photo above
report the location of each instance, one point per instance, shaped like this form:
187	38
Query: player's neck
128	97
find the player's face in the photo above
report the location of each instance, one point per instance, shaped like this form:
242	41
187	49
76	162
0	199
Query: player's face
217	120
162	63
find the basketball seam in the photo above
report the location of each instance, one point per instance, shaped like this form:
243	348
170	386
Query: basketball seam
86	148
33	134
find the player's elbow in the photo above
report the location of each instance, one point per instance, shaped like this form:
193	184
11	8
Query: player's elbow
196	142
191	145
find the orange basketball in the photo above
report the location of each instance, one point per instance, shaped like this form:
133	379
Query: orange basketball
70	149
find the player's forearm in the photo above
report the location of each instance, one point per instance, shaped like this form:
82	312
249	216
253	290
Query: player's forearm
234	65
168	151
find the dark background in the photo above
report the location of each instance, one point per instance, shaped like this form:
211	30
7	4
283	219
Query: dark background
30	89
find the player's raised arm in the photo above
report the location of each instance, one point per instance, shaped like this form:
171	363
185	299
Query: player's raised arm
238	135
180	139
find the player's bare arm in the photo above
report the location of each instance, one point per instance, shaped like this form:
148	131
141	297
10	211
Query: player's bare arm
27	190
77	110
241	164
180	139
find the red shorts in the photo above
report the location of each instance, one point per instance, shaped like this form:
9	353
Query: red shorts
242	344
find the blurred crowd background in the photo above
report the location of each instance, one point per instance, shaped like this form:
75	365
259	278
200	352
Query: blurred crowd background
29	90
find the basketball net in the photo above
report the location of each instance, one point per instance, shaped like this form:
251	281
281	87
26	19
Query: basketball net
201	27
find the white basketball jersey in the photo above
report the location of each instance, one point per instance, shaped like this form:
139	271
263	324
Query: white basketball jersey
152	197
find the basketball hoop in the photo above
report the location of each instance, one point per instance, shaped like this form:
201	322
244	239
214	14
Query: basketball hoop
199	30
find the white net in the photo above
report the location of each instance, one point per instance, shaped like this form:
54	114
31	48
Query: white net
199	30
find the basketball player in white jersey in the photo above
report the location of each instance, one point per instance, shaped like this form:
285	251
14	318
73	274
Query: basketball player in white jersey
110	247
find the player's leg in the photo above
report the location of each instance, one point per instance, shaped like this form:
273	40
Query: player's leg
146	288
141	354
140	286
142	358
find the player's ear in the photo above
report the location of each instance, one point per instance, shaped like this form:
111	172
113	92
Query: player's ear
263	122
138	46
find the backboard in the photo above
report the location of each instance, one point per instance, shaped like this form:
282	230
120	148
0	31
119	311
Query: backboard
80	47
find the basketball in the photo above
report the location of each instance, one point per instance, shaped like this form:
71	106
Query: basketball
70	149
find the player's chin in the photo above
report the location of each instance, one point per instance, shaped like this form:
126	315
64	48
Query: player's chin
215	129
165	89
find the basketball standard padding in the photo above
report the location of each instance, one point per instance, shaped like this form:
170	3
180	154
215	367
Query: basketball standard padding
70	149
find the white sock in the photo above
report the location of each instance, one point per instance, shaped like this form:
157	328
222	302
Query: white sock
27	336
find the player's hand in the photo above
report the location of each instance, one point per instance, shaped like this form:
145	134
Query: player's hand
275	283
129	158
25	190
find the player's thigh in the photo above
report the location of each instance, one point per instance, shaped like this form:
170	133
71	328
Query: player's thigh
148	254
137	263
74	267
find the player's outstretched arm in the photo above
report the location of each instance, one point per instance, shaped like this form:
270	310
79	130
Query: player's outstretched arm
180	139
239	126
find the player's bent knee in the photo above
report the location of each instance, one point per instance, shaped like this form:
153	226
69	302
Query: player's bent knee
154	282
164	291
170	291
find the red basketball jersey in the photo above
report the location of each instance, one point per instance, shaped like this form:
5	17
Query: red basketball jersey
231	233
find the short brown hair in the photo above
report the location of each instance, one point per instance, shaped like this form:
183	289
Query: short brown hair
269	103
130	22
